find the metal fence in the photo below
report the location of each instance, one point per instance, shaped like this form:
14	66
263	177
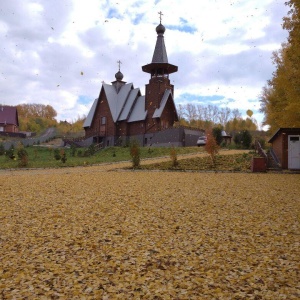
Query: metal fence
47	135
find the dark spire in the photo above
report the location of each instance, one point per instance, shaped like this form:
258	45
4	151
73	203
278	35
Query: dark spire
159	65
160	52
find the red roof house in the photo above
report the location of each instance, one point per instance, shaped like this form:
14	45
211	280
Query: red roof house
9	121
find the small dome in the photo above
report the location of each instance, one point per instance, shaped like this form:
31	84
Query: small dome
119	76
160	29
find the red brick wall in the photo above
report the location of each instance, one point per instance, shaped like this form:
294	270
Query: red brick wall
122	128
154	93
280	145
136	128
10	128
168	116
277	147
285	155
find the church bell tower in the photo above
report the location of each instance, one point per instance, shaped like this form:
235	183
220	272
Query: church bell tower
159	70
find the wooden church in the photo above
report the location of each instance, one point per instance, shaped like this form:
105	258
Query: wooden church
121	112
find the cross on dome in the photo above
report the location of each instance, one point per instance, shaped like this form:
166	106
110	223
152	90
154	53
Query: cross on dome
119	63
160	14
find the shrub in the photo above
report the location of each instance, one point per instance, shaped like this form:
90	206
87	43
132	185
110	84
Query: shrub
135	153
63	156
173	156
10	153
243	139
91	150
2	149
57	155
217	133
211	147
73	150
22	155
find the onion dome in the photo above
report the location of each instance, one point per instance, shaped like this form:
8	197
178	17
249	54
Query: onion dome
160	29
119	76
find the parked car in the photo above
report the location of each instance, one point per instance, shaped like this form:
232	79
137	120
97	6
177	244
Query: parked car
201	141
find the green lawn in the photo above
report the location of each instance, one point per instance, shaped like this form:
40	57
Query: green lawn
43	157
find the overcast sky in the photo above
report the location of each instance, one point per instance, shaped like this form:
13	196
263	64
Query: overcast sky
59	52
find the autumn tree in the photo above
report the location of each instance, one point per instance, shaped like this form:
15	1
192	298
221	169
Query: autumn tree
211	146
280	98
238	124
36	117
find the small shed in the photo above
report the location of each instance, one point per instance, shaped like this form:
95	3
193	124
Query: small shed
286	146
226	138
9	121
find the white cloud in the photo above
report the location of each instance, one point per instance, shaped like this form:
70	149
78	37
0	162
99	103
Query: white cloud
221	48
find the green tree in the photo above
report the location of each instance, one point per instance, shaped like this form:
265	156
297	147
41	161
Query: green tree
217	133
243	139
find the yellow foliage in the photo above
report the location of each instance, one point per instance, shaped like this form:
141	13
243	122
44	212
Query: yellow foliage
90	233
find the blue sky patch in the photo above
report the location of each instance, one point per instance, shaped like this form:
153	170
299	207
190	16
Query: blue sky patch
137	19
184	26
192	98
84	100
113	13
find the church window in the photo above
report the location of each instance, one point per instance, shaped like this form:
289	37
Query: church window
103	120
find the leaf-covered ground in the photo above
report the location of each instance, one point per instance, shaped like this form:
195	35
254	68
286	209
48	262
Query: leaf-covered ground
86	233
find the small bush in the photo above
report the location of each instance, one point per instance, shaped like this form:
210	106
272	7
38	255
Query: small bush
91	150
217	133
57	155
73	150
211	147
22	155
10	153
2	150
135	153
243	139
63	156
173	156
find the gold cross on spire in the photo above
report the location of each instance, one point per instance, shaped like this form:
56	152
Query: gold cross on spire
160	14
119	62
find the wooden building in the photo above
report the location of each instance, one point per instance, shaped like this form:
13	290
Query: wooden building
286	147
122	112
9	121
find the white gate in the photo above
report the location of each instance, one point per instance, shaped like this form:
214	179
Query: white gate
294	152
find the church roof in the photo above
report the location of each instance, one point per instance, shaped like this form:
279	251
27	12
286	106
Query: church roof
116	101
89	119
132	97
158	111
127	104
138	113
